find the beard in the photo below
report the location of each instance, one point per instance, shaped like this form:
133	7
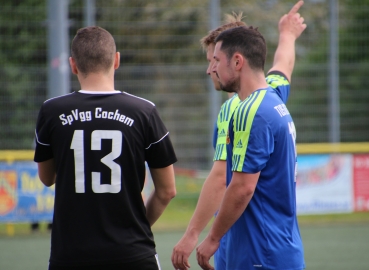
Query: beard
232	86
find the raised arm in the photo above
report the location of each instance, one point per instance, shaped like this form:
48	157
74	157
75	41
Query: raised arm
290	27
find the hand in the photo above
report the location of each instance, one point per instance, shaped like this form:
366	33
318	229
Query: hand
204	252
182	251
292	23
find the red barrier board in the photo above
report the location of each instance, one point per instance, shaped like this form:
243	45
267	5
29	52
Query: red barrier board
361	182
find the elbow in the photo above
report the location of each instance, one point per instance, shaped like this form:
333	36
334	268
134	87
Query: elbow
47	181
171	194
46	172
242	199
167	195
249	191
242	195
48	184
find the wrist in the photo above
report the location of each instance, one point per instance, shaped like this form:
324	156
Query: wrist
192	233
215	237
287	36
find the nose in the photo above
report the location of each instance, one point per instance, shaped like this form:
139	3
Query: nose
213	67
208	70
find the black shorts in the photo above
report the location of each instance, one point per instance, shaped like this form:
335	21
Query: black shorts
150	263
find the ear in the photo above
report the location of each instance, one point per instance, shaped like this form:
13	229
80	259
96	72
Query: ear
73	66
238	61
116	60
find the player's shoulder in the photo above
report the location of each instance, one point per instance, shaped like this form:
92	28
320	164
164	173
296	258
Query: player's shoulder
59	99
138	100
250	106
231	102
228	107
276	78
234	99
116	97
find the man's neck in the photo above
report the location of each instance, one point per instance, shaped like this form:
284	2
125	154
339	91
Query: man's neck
97	82
250	83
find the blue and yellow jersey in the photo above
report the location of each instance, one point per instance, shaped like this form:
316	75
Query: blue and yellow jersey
226	112
221	128
244	122
262	139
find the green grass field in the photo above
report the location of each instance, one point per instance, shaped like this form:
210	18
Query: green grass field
331	242
327	247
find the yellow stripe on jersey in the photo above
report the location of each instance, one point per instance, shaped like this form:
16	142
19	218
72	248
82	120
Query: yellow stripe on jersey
225	114
275	80
242	123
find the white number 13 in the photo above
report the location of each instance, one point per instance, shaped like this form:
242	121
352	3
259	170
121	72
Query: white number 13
108	160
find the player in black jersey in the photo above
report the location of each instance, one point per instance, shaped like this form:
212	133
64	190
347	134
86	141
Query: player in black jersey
93	145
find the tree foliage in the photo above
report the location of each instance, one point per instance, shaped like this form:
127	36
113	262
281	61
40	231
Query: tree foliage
162	60
310	103
22	70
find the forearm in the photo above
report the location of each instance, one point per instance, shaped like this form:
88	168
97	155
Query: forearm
46	172
235	201
284	58
163	193
155	206
290	27
209	202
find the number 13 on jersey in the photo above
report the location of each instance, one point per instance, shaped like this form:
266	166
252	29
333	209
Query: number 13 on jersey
97	136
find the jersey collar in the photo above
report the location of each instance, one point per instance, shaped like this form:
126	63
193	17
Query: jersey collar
99	92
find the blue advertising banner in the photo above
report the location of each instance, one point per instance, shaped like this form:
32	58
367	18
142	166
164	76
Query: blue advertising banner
23	197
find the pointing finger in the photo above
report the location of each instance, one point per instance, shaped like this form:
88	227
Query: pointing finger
296	7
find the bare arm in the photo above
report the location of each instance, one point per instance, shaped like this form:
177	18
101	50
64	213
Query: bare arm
236	198
164	191
209	201
46	172
290	27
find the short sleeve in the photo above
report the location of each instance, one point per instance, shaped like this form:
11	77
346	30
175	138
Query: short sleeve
278	81
43	149
159	151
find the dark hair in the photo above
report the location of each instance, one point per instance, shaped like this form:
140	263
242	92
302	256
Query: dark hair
93	48
247	41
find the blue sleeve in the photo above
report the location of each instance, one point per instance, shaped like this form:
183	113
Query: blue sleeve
278	81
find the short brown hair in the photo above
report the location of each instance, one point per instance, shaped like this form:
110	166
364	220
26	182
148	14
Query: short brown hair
93	48
231	21
247	41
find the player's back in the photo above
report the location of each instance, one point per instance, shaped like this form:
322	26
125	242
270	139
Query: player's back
98	143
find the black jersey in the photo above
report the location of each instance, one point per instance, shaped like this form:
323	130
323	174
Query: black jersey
100	142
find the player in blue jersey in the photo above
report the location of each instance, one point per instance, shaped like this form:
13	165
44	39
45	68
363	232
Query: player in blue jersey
258	211
214	186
